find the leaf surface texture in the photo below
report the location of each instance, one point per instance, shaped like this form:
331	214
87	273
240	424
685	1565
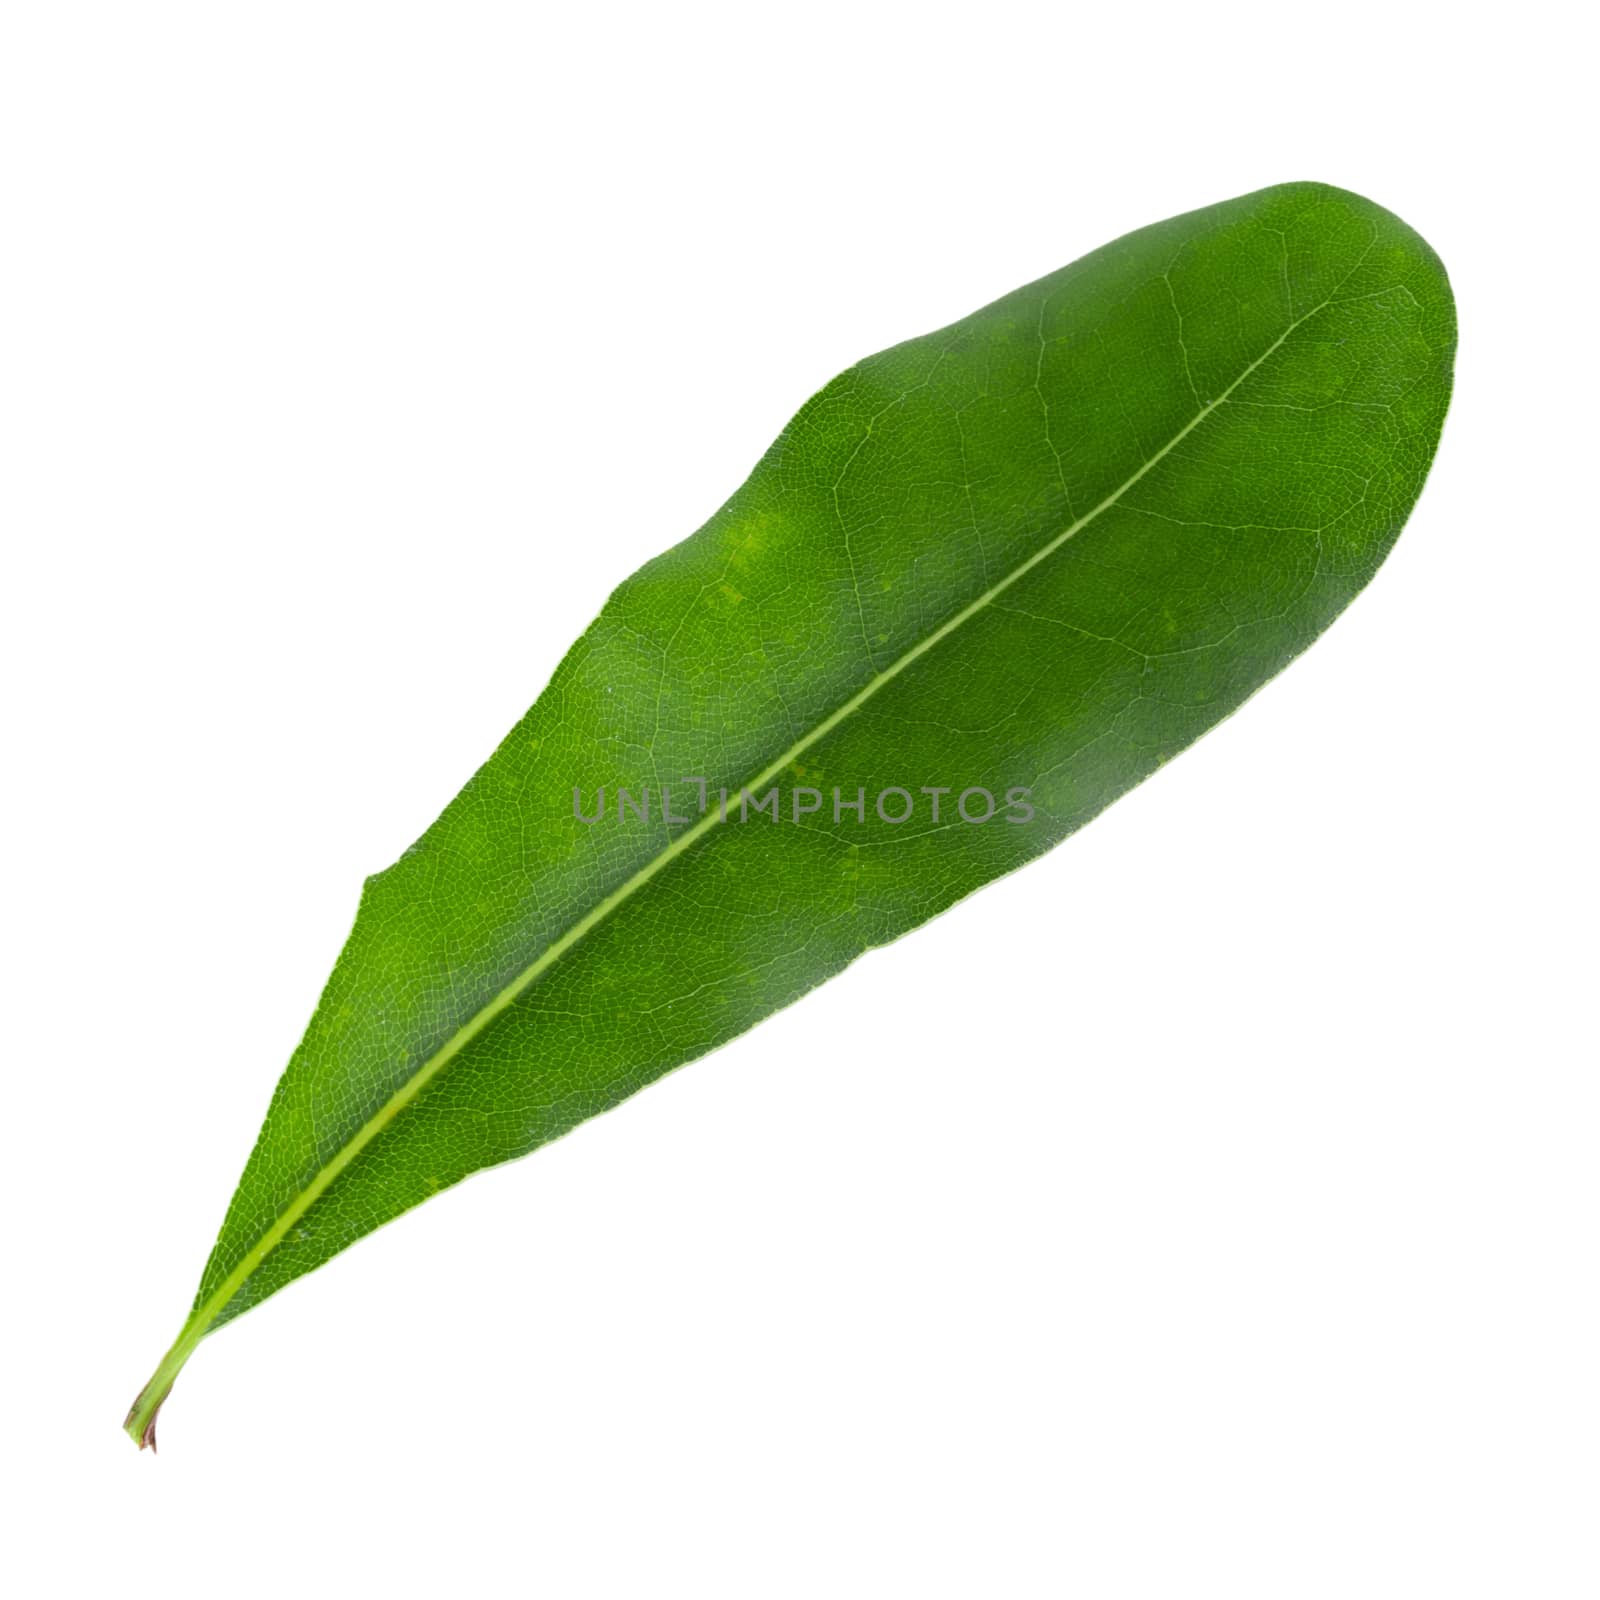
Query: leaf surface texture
1042	549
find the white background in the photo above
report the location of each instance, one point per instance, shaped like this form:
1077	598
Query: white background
1208	1210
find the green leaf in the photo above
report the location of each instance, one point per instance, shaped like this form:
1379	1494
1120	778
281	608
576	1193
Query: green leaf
1031	556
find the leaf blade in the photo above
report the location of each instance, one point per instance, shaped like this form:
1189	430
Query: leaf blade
911	544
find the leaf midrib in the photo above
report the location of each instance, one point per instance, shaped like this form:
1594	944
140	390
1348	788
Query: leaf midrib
206	1313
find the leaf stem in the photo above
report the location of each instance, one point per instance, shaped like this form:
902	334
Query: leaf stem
140	1423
